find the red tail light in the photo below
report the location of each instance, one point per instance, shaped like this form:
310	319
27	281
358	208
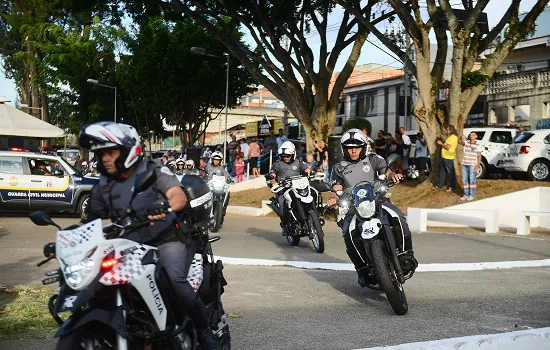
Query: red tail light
108	263
524	149
17	149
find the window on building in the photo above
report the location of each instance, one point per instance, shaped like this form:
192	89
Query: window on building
341	108
353	106
361	106
371	103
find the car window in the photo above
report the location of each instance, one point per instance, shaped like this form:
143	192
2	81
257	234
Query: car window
547	139
501	137
44	167
11	165
480	134
524	137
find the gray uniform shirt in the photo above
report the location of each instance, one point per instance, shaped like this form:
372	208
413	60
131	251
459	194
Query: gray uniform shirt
210	170
349	174
283	170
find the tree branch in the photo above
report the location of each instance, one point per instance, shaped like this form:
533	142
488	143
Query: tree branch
485	42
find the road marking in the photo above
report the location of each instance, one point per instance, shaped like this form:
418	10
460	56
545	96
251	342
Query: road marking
450	267
527	339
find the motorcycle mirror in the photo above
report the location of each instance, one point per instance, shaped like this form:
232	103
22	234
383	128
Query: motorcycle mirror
41	218
49	250
392	159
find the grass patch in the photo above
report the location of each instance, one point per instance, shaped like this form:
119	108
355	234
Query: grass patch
24	312
250	198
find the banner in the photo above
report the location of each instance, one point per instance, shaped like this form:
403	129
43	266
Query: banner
265	125
251	129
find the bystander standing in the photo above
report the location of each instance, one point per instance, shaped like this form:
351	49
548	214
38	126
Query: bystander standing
470	165
448	152
421	154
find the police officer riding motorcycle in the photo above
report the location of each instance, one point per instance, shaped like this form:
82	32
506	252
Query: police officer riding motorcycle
190	167
180	167
218	180
120	162
361	167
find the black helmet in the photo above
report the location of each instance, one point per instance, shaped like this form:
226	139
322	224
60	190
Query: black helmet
199	198
109	135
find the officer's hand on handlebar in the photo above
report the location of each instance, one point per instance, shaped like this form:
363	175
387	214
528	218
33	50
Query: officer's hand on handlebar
158	212
332	202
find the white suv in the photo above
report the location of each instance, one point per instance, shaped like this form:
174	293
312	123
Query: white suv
530	154
495	143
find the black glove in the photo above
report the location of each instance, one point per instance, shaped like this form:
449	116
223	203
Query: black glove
159	208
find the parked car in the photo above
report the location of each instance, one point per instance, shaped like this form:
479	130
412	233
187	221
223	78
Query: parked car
530	154
70	155
495	143
23	188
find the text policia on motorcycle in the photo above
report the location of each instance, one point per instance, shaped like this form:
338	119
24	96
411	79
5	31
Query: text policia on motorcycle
159	237
295	201
373	228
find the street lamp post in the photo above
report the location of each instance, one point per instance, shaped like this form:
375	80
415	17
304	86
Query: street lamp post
95	82
202	51
24	105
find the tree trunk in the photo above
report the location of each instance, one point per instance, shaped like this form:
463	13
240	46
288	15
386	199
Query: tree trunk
319	125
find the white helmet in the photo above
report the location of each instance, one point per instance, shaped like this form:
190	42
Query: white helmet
106	135
217	155
190	164
287	149
354	137
180	161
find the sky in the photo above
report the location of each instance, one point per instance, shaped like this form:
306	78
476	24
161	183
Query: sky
369	54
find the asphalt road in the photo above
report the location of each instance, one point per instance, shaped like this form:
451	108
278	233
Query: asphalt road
287	308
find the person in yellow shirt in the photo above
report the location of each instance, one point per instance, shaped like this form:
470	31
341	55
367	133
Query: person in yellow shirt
448	151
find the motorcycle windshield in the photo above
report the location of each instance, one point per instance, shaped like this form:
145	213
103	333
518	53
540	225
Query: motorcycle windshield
363	191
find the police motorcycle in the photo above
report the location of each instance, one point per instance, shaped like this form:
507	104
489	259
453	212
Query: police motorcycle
118	295
220	196
389	265
302	212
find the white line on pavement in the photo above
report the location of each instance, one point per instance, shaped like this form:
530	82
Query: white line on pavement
527	339
450	267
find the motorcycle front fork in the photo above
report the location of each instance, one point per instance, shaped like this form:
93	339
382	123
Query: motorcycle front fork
122	343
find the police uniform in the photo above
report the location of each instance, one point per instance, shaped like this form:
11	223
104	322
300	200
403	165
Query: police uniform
348	174
283	170
219	170
110	199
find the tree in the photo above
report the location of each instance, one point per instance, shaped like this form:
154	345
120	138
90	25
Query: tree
162	78
358	123
282	59
468	43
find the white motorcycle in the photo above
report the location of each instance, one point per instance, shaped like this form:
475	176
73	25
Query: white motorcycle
220	195
119	296
302	210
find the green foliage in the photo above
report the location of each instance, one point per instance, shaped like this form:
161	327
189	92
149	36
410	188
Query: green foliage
474	78
358	123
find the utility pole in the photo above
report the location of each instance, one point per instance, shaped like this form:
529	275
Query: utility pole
408	125
285	109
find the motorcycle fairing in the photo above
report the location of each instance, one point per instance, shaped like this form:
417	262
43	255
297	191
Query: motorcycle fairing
113	319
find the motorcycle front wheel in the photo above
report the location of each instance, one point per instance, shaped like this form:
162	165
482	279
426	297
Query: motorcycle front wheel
218	217
387	278
317	232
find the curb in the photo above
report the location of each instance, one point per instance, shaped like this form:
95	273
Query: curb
250	211
527	339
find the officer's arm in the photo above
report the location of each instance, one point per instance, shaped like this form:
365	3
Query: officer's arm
176	198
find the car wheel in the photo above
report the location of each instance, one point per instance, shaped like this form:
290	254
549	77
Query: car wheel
83	204
482	170
539	170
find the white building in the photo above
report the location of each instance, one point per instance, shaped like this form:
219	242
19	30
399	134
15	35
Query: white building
378	102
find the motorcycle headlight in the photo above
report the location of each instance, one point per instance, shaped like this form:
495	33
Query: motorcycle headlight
75	274
366	209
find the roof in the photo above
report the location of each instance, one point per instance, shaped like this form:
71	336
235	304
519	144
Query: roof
28	154
18	123
377	80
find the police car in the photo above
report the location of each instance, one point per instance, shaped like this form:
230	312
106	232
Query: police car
30	181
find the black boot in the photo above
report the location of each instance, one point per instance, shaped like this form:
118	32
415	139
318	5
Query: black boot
207	339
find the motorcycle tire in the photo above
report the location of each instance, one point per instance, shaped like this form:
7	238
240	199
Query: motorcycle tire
218	215
102	337
387	279
318	240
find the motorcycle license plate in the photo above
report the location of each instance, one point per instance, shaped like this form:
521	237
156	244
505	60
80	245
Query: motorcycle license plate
370	228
